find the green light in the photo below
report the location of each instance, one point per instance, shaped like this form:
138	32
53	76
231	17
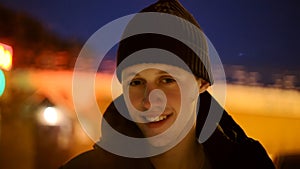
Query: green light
2	82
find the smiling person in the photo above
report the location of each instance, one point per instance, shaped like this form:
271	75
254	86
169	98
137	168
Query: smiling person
165	103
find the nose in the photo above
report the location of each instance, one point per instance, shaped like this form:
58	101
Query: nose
153	96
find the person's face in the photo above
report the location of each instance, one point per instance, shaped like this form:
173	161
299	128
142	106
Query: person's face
156	99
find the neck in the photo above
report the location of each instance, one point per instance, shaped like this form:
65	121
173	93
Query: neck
186	154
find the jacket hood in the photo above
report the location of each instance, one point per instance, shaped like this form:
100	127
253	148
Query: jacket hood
227	147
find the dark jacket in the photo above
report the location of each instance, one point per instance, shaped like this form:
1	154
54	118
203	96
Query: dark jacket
227	148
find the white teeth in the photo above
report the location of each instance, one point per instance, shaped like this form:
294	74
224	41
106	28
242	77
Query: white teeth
156	119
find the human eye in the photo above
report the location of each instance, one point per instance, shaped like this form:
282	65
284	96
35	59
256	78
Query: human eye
136	82
167	79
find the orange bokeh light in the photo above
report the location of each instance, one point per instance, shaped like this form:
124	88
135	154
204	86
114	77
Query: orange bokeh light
6	53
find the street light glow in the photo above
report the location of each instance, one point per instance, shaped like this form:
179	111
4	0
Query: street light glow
5	56
2	82
51	116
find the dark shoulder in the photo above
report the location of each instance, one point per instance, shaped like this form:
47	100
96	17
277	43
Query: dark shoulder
90	159
99	158
235	149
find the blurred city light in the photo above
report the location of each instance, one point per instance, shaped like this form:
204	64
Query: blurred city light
6	53
51	116
2	82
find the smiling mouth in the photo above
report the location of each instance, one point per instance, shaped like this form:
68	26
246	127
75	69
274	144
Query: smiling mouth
156	119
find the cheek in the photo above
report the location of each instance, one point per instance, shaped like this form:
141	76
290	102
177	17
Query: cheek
135	96
174	99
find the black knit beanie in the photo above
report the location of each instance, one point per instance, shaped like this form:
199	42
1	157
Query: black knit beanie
199	67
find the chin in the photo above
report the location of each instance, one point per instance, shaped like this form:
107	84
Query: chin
163	140
159	142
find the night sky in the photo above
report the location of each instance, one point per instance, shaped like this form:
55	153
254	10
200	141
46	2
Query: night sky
254	33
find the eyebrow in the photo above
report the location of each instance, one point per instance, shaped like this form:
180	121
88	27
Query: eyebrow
137	74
